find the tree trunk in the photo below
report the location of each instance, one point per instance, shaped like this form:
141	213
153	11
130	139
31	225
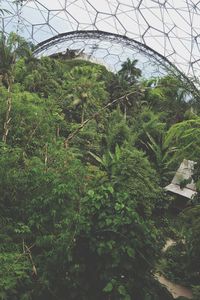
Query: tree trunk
125	111
82	114
8	110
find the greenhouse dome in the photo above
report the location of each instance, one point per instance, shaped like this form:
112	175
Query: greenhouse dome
161	34
99	148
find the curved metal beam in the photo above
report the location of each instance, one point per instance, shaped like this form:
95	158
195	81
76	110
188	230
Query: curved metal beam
125	41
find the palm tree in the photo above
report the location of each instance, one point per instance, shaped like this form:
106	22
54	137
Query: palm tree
7	59
129	71
127	79
86	91
11	48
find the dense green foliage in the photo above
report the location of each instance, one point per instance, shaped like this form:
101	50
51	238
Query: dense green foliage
84	155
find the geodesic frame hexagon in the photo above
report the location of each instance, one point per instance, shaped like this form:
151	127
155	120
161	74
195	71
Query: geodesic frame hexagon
165	32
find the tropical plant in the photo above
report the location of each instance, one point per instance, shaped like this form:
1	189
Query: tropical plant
10	49
81	209
168	96
86	93
185	136
129	72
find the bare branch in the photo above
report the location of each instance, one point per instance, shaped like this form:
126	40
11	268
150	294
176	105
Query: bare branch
75	132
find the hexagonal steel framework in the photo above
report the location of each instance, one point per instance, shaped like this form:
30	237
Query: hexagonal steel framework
161	34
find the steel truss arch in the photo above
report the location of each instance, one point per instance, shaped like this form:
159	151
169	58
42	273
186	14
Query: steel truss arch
91	35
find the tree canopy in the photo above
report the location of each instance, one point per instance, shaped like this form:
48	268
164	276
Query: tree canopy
84	154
